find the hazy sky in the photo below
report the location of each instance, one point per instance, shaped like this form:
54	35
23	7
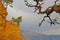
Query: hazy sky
30	20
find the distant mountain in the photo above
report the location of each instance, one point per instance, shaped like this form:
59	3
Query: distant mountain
38	36
53	32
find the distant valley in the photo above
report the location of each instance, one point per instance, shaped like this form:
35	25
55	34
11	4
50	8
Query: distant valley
28	35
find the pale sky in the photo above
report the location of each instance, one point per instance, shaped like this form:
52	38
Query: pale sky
30	20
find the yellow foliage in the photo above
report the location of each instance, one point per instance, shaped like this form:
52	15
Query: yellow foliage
2	9
13	32
8	30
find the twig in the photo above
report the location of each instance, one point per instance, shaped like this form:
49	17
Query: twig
29	5
44	20
54	21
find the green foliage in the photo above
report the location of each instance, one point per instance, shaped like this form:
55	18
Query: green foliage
18	20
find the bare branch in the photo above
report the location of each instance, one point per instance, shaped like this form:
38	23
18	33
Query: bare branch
29	5
38	7
44	20
41	22
54	21
51	21
55	2
57	22
48	11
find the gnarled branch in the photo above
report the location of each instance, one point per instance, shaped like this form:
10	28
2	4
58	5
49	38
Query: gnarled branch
44	20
